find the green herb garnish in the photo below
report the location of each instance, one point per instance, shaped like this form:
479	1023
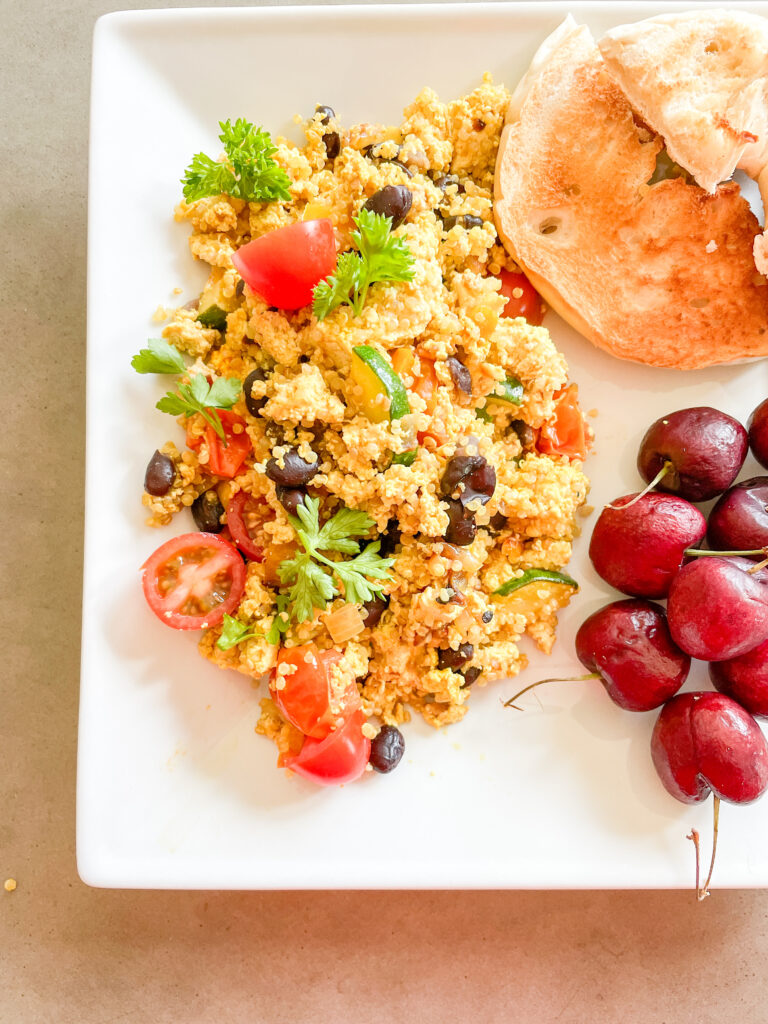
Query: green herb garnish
281	621
250	173
159	357
381	257
234	632
199	396
315	579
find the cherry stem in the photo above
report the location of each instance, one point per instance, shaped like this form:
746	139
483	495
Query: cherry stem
702	891
659	476
757	567
700	553
569	679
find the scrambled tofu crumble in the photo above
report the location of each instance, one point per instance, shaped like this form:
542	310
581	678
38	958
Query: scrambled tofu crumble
438	630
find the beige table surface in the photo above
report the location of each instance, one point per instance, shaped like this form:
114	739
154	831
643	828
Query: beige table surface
73	955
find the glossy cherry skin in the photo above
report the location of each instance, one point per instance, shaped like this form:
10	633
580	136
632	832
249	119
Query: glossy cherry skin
706	742
745	679
639	549
716	610
739	520
629	645
706	447
758	433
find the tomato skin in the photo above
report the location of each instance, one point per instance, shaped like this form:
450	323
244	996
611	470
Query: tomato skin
340	757
305	700
528	304
565	433
194	561
226	462
238	528
284	265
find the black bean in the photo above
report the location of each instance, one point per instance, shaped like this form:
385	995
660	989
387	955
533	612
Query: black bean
471	675
462	527
480	485
374	609
387	749
487	616
390	538
327	112
460	375
458	469
526	434
207	511
448	658
476	474
332	144
442	181
449	222
393	201
290	498
294	472
498	522
240	287
471	221
253	405
160	475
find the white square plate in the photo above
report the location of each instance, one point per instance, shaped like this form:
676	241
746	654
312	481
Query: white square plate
174	788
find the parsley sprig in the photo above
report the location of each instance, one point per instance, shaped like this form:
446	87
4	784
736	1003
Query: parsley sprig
314	579
250	173
200	396
195	396
233	632
381	256
159	357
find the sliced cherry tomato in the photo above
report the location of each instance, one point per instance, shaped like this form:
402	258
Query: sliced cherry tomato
307	700
245	516
192	580
227	461
340	757
522	298
564	434
284	265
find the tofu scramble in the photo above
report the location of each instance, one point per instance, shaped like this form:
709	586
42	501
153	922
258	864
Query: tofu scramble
432	422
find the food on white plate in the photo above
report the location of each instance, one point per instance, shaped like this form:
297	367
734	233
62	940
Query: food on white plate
655	271
382	451
700	79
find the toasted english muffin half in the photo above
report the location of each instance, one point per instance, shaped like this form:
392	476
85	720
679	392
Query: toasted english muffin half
659	274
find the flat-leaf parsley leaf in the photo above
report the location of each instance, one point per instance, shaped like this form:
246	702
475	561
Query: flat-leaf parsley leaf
233	632
158	357
249	173
381	256
200	396
313	579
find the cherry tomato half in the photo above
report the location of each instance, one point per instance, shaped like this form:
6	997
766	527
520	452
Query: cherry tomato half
192	580
565	433
245	515
307	700
284	265
340	757
522	298
227	461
